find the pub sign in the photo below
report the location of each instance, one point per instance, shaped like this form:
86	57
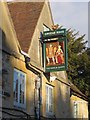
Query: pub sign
54	50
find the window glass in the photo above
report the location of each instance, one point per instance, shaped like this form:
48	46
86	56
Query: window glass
46	98
49	99
19	88
75	110
15	86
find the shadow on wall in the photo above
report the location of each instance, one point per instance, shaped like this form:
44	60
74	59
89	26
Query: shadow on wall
9	62
62	96
62	101
62	105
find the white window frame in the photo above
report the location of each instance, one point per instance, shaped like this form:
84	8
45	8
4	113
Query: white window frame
75	109
17	103
48	112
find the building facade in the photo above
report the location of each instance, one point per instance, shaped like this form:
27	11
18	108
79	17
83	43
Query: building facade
79	103
25	85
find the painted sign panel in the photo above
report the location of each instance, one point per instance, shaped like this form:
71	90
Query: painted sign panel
55	53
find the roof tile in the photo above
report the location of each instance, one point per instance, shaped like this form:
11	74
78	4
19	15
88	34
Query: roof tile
25	16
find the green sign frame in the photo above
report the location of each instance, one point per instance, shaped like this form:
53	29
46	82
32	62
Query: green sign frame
57	43
56	33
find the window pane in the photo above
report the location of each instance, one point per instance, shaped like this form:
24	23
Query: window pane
23	88
15	86
19	88
75	110
50	108
46	98
49	99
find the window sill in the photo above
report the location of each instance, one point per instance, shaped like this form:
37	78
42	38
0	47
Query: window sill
49	114
19	106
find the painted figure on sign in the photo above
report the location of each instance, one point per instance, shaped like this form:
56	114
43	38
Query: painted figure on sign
59	55
50	54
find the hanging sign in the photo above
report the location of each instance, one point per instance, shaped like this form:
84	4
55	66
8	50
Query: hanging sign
54	50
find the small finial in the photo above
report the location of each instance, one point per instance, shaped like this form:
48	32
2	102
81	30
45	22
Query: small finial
55	27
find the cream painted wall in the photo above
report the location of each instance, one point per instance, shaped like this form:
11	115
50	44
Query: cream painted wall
82	111
61	91
35	50
9	65
7	27
61	97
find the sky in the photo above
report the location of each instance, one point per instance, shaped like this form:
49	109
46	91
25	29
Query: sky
71	15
